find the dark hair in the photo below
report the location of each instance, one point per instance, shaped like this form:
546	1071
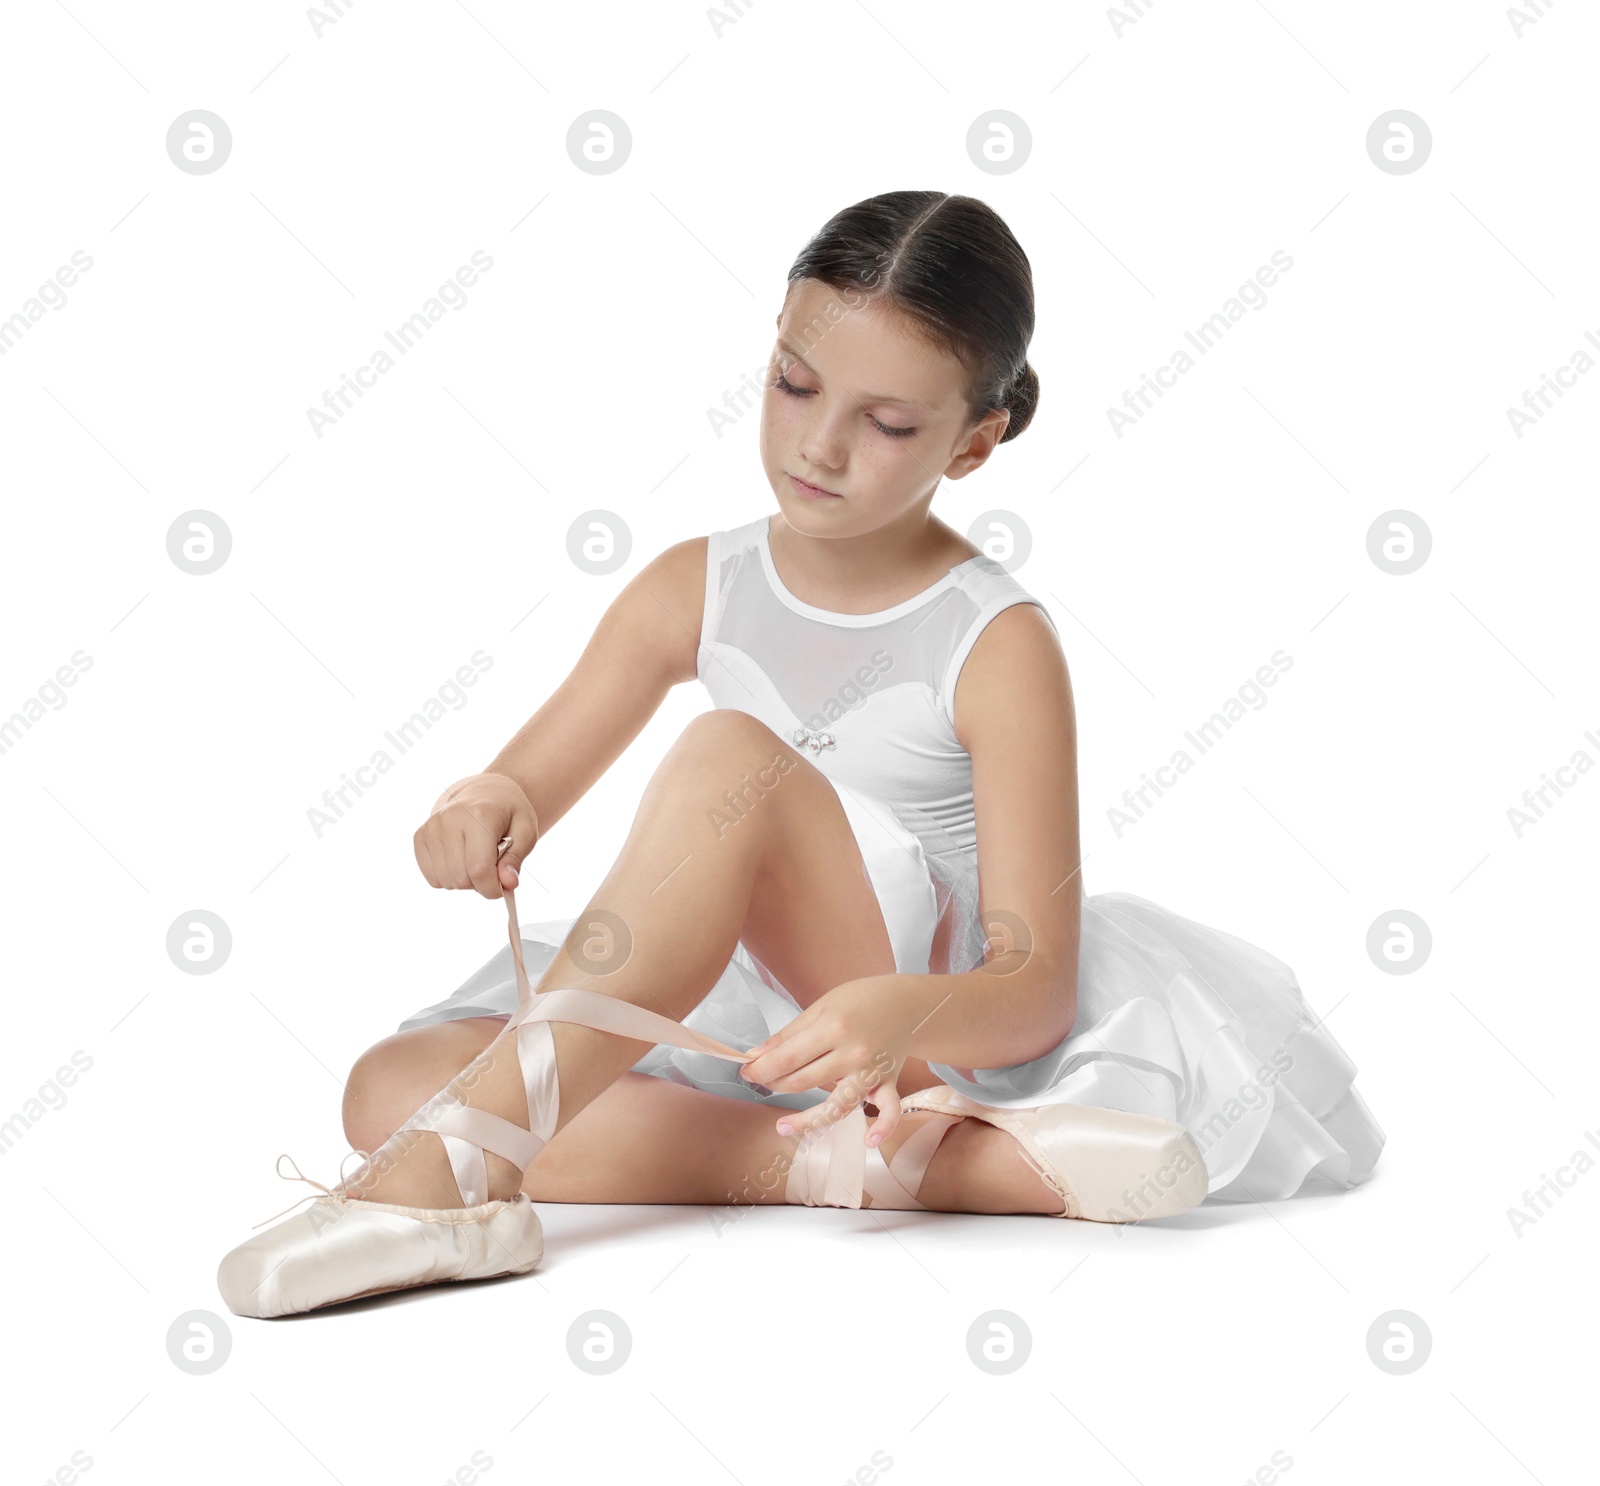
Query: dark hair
951	266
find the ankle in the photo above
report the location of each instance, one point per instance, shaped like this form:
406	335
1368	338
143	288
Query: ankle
907	1127
505	1181
412	1169
979	1168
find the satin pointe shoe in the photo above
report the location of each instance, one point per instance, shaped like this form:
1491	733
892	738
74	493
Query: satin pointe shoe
342	1247
1107	1165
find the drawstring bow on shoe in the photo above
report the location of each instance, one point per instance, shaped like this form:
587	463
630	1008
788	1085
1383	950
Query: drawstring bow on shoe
300	1176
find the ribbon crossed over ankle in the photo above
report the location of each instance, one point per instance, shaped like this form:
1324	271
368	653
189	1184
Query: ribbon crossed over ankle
590	1008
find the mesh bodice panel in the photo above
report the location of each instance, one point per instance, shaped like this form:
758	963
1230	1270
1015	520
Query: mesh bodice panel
881	685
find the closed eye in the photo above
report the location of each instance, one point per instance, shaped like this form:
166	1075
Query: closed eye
784	385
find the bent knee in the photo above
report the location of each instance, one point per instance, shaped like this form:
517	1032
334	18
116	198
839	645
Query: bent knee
727	745
725	732
393	1078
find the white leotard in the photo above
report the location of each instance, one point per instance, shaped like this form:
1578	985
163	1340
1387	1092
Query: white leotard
872	697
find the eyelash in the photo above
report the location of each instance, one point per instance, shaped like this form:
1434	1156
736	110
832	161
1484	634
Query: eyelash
785	385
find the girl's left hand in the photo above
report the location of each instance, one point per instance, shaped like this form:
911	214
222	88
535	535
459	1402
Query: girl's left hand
853	1040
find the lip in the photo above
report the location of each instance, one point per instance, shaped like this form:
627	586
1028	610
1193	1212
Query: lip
813	492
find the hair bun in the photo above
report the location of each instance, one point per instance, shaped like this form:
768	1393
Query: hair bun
1021	400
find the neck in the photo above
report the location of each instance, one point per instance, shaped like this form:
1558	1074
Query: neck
910	546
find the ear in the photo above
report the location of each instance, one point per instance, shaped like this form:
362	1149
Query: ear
986	433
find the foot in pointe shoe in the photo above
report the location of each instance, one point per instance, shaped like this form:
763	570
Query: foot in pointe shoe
1106	1165
344	1247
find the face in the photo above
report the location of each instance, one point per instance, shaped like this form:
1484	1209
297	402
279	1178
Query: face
862	408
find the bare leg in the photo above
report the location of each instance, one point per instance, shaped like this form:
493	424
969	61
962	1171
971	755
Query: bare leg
687	887
649	1140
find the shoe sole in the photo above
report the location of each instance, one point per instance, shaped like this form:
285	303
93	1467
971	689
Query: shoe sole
460	1279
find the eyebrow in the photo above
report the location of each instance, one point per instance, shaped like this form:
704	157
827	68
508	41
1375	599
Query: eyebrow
905	402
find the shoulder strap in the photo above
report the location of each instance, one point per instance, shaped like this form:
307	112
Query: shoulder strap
713	601
722	550
994	591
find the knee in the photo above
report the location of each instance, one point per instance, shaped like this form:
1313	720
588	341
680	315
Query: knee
375	1094
392	1079
727	725
726	736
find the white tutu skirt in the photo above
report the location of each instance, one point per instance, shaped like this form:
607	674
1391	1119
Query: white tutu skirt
1174	1019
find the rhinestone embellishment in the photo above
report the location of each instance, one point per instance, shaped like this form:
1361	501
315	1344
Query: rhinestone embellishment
816	742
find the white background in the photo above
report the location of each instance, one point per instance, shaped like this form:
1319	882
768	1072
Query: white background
1169	159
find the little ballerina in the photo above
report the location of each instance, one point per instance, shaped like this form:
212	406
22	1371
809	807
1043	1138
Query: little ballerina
797	917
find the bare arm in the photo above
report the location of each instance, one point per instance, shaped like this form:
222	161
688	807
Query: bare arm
1014	715
645	644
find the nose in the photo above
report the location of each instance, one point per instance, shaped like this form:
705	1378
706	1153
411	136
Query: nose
822	439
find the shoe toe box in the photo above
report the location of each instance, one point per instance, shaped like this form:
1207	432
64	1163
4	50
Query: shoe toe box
338	1251
249	1278
334	1251
1123	1167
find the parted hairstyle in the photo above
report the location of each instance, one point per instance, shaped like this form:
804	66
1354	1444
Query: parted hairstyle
952	268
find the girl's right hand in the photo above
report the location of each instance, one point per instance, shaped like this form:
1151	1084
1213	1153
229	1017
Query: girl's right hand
458	845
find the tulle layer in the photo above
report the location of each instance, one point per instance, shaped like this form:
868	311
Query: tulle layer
1195	1025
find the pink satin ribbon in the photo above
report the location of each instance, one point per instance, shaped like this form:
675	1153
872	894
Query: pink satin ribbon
589	1008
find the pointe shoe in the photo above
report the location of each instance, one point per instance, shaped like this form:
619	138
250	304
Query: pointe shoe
343	1247
1107	1165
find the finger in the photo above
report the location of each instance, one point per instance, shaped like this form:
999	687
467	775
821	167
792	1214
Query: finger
434	846
506	864
503	868
799	1121
444	845
796	1045
809	1069
419	849
439	840
462	853
835	1107
481	858
523	829
759	1051
887	1099
478	850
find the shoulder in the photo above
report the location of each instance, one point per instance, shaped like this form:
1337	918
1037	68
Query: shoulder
677	572
691	577
1012	670
683	561
661	605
